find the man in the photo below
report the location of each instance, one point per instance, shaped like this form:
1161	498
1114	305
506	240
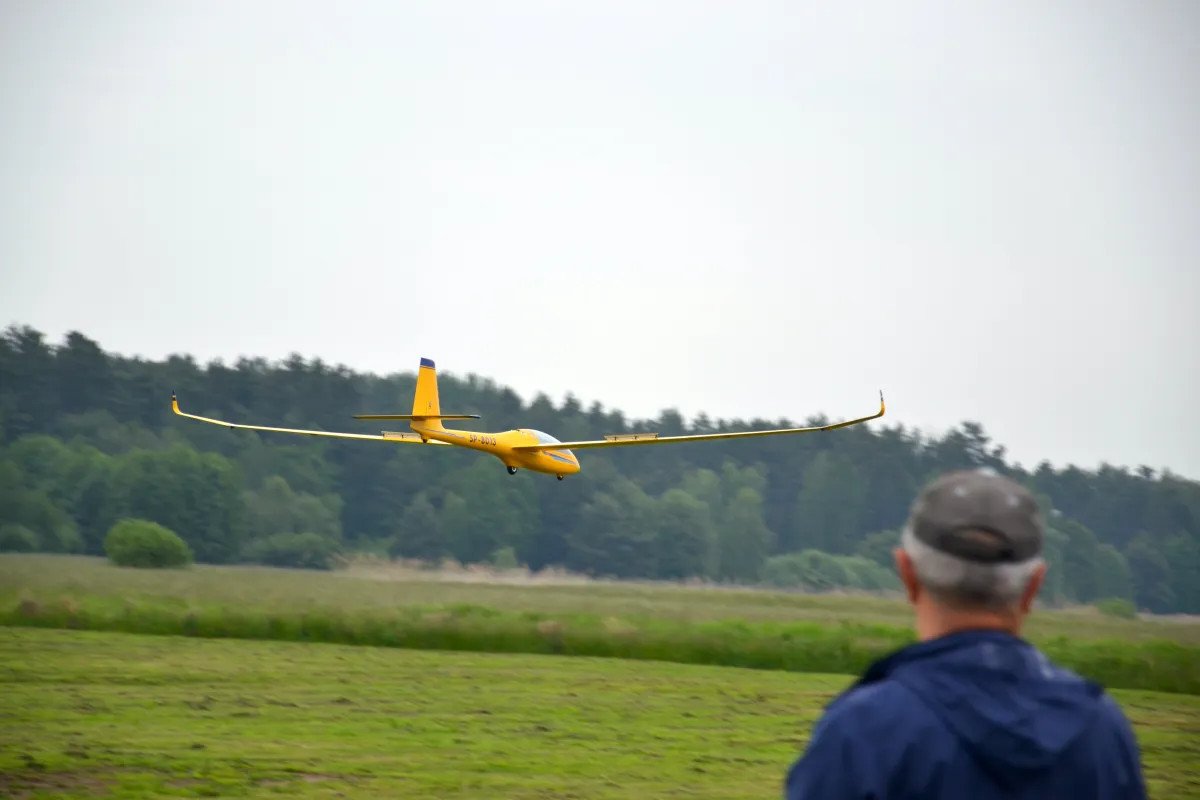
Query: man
971	711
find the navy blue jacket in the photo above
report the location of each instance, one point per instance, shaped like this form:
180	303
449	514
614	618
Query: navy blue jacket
974	715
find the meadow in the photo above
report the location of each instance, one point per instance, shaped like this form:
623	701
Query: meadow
119	715
377	604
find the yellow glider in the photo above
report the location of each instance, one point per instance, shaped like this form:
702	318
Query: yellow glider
522	448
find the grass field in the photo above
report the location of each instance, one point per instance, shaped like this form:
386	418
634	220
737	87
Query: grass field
116	715
376	605
377	587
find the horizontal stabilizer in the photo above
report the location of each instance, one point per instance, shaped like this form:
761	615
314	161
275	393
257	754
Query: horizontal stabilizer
405	436
416	416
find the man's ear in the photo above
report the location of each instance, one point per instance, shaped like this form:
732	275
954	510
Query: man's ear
908	575
1034	586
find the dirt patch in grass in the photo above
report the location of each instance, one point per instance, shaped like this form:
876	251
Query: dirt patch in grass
22	784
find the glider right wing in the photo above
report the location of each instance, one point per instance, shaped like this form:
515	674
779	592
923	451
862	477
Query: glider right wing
629	439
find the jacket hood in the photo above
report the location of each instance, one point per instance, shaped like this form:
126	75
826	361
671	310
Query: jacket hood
1014	711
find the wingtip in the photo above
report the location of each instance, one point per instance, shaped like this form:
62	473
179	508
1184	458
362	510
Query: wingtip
882	406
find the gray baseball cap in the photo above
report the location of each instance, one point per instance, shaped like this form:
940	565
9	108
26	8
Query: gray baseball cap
979	516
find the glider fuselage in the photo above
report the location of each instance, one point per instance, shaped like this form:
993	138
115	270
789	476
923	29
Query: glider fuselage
500	445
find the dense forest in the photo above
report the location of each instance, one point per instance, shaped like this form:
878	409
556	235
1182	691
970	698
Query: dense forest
87	438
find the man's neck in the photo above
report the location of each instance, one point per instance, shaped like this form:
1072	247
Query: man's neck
934	621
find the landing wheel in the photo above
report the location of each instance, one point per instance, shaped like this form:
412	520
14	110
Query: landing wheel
512	470
560	477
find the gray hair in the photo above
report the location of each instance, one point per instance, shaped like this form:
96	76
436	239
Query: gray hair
967	584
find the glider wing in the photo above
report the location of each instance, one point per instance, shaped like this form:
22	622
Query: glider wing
627	439
385	436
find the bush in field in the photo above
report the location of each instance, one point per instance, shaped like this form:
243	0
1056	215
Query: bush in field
878	547
808	569
1117	607
505	558
817	572
868	575
17	539
196	494
302	550
141	543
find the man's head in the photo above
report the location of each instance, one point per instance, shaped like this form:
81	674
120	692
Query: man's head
971	551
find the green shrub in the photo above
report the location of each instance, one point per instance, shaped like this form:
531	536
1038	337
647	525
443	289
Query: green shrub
879	546
810	569
17	539
1117	607
505	558
141	543
868	575
817	571
303	550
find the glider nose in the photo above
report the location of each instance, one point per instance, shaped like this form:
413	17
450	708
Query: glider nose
559	461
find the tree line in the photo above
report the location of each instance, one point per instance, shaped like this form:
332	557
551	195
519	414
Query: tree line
87	439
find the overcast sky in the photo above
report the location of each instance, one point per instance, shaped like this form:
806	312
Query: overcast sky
989	210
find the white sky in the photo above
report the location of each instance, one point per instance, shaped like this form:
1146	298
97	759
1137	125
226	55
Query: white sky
989	210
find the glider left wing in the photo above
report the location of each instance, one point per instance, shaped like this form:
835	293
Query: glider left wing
386	436
628	439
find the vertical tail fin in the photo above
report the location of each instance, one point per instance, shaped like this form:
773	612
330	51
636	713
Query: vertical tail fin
425	399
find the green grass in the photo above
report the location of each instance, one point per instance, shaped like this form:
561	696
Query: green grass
115	715
829	634
379	587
